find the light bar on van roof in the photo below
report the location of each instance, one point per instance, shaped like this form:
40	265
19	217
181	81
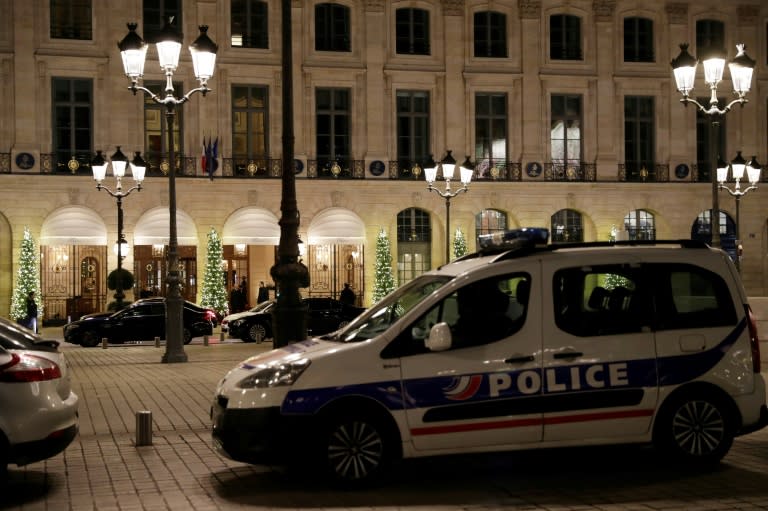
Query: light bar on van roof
512	238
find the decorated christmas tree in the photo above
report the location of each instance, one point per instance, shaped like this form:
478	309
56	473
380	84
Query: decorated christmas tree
27	278
214	285
459	244
384	283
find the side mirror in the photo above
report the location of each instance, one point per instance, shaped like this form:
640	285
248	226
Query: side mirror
440	338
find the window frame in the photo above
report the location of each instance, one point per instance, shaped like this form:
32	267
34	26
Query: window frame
572	223
639	136
74	148
241	159
333	27
565	37
568	123
153	18
413	127
407	42
154	158
490	34
638	39
249	18
414	237
79	23
488	121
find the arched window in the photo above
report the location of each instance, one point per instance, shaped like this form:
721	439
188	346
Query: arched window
489	221
567	227
414	244
702	230
640	224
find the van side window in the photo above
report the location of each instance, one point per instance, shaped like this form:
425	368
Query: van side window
601	300
479	313
691	297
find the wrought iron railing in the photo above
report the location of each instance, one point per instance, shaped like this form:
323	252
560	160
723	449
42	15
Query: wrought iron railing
573	171
336	169
636	173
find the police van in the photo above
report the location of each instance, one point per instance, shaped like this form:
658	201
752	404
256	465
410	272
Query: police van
521	345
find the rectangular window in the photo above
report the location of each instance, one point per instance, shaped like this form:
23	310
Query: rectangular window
705	136
250	24
710	35
412	129
156	132
71	19
332	28
154	13
72	102
490	34
564	37
639	137
638	40
490	131
250	125
333	127
565	130
414	237
412	32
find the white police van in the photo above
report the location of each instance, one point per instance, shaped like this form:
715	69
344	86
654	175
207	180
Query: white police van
519	346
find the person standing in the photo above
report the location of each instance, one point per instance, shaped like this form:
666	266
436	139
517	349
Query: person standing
347	296
31	312
263	295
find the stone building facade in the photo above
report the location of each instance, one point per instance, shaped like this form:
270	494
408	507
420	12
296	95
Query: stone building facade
566	109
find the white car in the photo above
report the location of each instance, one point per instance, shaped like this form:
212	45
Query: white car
237	315
522	345
38	410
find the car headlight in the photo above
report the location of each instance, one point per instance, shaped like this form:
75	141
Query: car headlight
279	375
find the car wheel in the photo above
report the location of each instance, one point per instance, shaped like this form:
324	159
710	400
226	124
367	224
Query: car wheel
355	449
90	340
694	428
255	333
187	336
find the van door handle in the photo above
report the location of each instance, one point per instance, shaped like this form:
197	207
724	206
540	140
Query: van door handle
568	354
519	360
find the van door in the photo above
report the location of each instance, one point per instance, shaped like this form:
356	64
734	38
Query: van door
599	367
483	390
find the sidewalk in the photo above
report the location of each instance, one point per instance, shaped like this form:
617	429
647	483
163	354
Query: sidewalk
103	468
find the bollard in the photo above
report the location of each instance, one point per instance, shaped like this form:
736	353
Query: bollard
221	336
104	343
143	428
205	340
157	342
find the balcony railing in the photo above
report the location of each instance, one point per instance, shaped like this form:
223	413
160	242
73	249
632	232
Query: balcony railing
271	168
336	169
571	171
637	173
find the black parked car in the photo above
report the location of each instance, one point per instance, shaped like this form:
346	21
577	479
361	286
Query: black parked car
324	315
143	320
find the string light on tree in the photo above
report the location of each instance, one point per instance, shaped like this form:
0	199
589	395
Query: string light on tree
384	283
27	278
214	286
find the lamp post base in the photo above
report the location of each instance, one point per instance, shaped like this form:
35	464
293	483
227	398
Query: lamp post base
289	317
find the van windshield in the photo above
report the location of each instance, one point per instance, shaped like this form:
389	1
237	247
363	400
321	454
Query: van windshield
395	305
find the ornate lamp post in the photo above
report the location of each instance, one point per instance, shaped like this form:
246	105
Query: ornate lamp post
119	164
737	167
449	166
289	274
741	67
203	51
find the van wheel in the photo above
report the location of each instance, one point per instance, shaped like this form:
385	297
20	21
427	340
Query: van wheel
694	428
90	340
355	449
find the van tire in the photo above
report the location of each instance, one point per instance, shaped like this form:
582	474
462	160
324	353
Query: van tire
355	448
694	428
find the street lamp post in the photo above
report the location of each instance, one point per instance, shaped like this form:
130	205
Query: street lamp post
737	167
741	67
119	164
203	50
448	165
289	273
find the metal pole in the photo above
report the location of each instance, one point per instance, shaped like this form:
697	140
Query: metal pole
119	295
174	343
738	233
289	314
447	229
715	220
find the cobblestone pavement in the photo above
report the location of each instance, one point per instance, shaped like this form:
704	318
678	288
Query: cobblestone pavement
104	469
